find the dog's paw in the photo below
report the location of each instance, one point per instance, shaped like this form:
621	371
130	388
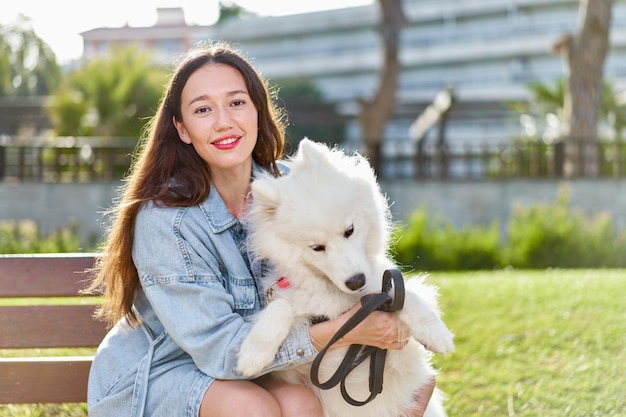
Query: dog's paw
254	354
252	361
437	338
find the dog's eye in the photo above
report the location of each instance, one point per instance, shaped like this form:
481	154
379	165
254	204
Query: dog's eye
318	248
348	232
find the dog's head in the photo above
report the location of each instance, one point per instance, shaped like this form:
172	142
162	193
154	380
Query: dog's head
327	217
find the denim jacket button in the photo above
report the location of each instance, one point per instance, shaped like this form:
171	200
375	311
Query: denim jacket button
300	352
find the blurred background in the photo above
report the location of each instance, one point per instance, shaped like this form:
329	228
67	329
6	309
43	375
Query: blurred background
466	109
495	128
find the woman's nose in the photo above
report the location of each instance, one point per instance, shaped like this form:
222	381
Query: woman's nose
223	119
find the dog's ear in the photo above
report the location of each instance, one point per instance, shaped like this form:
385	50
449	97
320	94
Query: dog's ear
266	197
306	145
311	154
308	148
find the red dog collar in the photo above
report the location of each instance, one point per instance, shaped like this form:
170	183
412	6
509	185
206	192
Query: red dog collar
281	282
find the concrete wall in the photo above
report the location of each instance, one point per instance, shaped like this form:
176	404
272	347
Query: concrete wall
482	202
55	205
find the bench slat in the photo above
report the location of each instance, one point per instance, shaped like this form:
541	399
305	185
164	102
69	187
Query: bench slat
44	380
46	275
49	326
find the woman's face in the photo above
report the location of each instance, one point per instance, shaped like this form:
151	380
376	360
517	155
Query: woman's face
219	118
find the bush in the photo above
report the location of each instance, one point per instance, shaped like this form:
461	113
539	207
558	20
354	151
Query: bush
24	237
554	235
542	235
433	243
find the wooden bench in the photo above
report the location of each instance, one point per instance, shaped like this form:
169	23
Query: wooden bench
45	379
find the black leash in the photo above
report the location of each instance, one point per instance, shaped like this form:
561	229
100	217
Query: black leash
357	354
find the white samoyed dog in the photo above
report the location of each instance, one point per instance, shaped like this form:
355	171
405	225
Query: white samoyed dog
325	227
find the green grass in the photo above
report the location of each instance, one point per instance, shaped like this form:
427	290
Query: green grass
32	301
544	343
44	410
528	343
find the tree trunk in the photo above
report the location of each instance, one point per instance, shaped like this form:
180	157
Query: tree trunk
584	54
376	111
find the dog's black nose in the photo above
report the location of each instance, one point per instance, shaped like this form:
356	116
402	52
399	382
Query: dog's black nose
356	281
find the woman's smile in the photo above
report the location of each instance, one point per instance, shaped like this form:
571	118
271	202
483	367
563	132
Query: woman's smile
227	142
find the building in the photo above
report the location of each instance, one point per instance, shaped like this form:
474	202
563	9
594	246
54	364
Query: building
170	36
486	51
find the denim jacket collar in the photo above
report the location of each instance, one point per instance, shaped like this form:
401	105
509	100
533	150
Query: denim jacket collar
215	210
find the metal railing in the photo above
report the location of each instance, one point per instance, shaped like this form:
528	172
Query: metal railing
92	159
533	159
66	159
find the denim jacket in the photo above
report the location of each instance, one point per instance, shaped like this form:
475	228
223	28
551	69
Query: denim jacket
199	288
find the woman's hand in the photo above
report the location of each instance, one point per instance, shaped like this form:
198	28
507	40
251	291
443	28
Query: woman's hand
380	329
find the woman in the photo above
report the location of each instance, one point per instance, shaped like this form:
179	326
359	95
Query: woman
178	283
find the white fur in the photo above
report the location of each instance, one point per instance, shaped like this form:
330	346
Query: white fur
327	194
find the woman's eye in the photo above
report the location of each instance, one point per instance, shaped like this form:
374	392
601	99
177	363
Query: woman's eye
202	110
318	248
348	232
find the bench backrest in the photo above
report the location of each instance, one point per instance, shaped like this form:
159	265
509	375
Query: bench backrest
58	323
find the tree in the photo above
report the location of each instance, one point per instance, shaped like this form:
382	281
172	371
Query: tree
376	111
549	99
230	10
28	66
307	114
584	54
111	95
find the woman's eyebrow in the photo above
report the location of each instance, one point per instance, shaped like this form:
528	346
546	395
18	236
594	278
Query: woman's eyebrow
206	97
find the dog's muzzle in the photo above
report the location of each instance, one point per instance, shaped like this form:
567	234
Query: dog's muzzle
356	282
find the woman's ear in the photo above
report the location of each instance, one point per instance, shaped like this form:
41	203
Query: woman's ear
182	132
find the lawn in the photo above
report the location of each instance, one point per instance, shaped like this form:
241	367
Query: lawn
528	343
544	343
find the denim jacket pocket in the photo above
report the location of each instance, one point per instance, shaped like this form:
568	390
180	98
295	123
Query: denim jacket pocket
243	291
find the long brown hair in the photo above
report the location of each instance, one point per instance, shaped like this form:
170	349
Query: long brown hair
165	160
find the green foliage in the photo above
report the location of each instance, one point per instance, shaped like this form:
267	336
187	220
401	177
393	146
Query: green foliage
230	10
534	343
433	243
25	237
554	235
548	98
28	66
112	95
541	235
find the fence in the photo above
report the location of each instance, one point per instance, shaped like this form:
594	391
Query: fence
516	160
90	159
66	159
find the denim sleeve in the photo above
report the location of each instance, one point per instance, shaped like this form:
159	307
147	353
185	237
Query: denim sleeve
188	282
